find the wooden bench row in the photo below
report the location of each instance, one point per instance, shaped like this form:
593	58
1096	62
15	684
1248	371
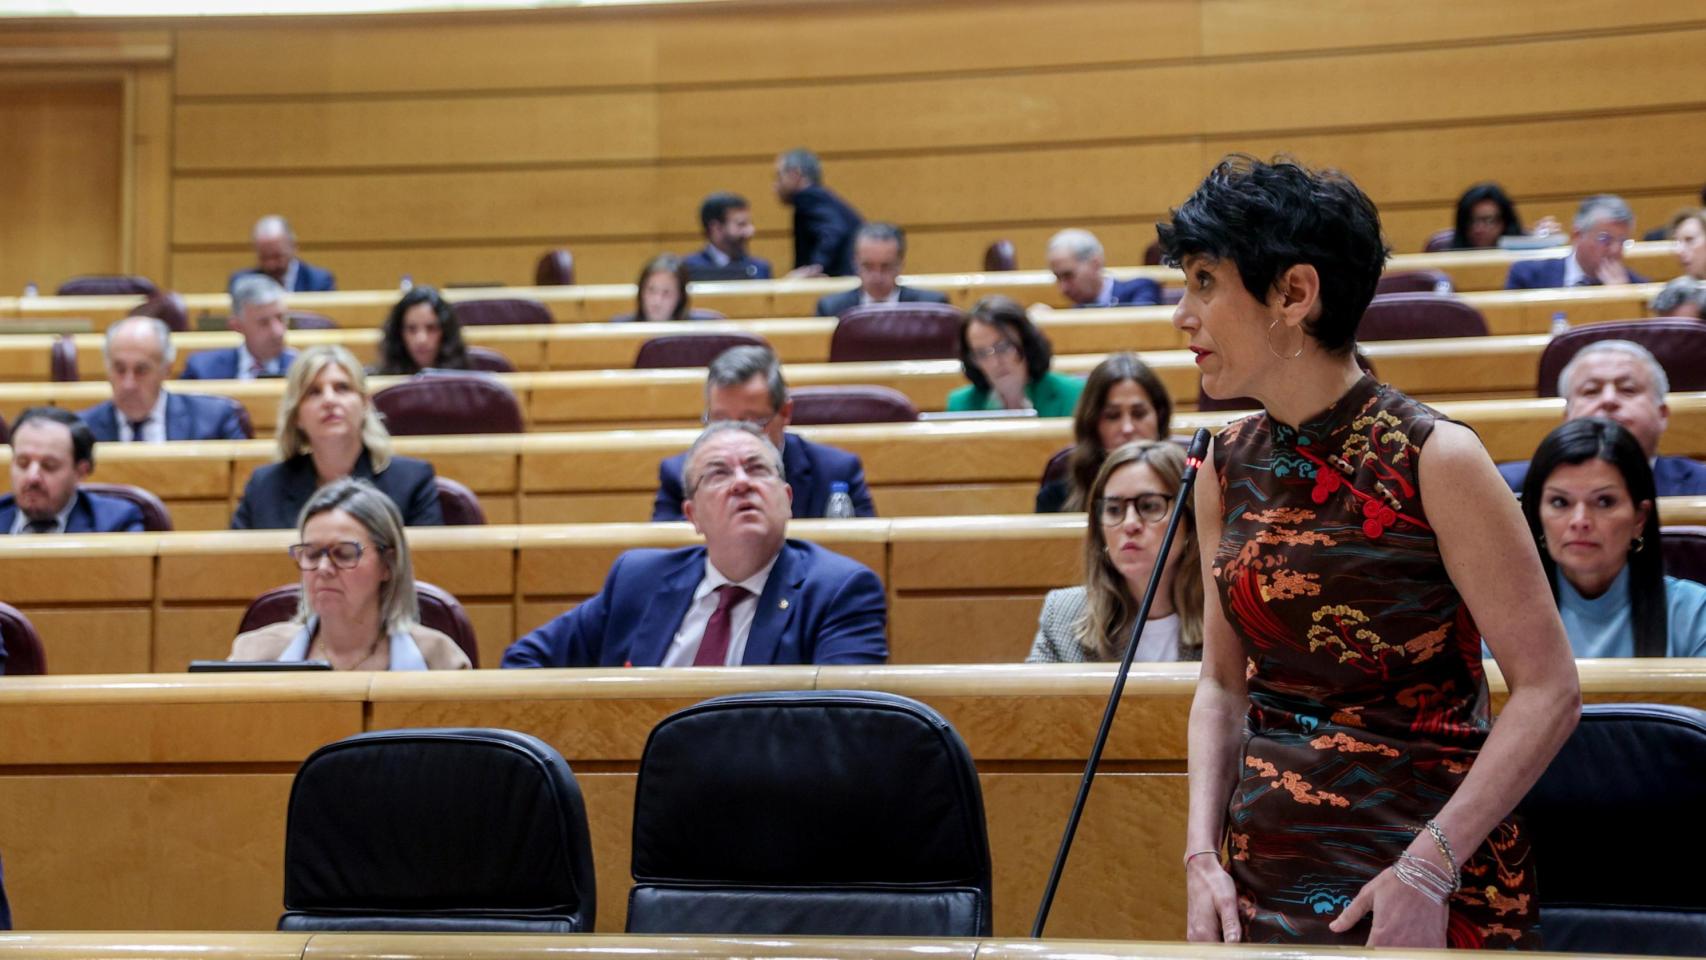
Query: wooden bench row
158	803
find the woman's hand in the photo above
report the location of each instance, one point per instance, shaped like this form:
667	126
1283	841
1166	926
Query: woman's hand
1403	915
1011	390
1211	902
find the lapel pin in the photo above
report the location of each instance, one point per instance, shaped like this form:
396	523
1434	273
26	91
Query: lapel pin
783	605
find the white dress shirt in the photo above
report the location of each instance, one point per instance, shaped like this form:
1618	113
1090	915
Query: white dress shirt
154	431
685	646
246	365
1573	272
866	299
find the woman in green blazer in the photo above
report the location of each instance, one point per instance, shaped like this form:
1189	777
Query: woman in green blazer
1006	358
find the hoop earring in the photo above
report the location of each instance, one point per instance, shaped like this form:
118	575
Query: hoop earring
1637	544
1269	340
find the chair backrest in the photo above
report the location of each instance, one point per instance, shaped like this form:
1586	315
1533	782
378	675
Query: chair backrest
309	320
439	610
1609	824
850	404
1679	345
438	830
107	285
555	269
1056	467
1685	552
155	517
449	403
167	305
1439	241
1413	281
501	312
5	431
1152	255
1000	255
62	361
458	503
691	349
897	331
488	360
839	813
1419	316
24	654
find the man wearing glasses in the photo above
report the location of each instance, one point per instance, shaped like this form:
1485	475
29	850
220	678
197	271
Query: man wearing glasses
745	384
749	596
1602	226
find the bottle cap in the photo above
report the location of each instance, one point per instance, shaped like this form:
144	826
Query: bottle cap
839	486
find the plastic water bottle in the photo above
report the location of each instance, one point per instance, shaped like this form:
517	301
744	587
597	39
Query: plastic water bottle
1560	323
31	290
407	284
840	502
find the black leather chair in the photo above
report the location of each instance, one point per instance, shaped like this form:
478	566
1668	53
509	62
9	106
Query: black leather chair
1678	344
439	830
856	403
434	404
1685	552
839	813
1612	843
691	349
897	331
155	517
439	610
24	653
1419	316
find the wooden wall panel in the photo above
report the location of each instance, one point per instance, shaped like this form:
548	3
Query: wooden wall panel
62	192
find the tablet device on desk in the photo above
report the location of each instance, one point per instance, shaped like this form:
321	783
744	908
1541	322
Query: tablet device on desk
939	415
255	666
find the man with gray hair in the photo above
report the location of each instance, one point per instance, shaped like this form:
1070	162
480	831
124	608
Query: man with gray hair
257	312
744	384
823	223
879	255
275	257
1075	257
1622	381
139	353
1602	226
749	596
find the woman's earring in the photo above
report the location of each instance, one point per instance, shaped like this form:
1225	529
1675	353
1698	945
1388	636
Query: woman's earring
1541	540
1636	544
1269	340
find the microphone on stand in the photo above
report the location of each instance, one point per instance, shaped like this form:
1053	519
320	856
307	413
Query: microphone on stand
1193	460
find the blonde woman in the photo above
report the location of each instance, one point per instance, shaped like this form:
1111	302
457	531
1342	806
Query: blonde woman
1129	504
328	430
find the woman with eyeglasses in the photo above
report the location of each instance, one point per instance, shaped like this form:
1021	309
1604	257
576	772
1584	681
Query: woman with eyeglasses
1006	358
358	609
1130	502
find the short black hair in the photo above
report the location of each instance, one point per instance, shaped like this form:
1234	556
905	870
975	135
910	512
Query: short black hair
717	207
1005	315
1466	208
1269	217
82	438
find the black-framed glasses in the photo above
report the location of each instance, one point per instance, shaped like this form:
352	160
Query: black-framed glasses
1150	507
999	349
345	554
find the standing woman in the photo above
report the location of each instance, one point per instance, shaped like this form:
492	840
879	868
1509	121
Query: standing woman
421	332
1355	548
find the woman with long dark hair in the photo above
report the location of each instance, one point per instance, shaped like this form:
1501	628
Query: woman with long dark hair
420	332
1123	400
1484	214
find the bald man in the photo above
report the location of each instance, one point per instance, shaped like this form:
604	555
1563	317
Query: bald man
139	352
275	256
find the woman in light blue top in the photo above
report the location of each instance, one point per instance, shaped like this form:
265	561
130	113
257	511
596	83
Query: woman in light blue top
1591	505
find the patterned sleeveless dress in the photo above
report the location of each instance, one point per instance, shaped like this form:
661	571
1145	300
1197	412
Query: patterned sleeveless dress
1368	703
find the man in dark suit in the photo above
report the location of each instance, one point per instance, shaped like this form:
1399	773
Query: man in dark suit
1075	256
139	353
727	221
745	384
1602	226
748	596
823	223
1621	380
275	257
52	450
257	312
879	255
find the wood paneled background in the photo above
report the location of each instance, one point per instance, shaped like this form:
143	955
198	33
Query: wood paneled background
459	147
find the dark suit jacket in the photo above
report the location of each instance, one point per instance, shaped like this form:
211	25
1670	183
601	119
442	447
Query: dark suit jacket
222	364
817	607
824	226
309	278
835	304
189	416
1136	292
277	492
1672	476
757	268
92	513
1546	274
810	469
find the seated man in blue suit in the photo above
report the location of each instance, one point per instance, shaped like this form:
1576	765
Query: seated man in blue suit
1621	380
275	257
879	255
52	449
745	384
748	596
139	353
1602	226
727	221
257	312
1075	257
824	224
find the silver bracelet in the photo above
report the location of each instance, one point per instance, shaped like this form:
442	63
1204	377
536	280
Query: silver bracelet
1420	875
1197	853
1445	851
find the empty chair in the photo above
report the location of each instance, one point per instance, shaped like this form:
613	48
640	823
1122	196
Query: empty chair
24	653
169	306
448	403
1440	240
1413	281
309	320
999	256
1419	316
104	285
155	517
5	431
439	610
897	331
461	508
1679	345
1685	552
1055	469
839	813
1152	255
488	360
691	349
850	404
555	269
1611	823
438	830
486	313
62	361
